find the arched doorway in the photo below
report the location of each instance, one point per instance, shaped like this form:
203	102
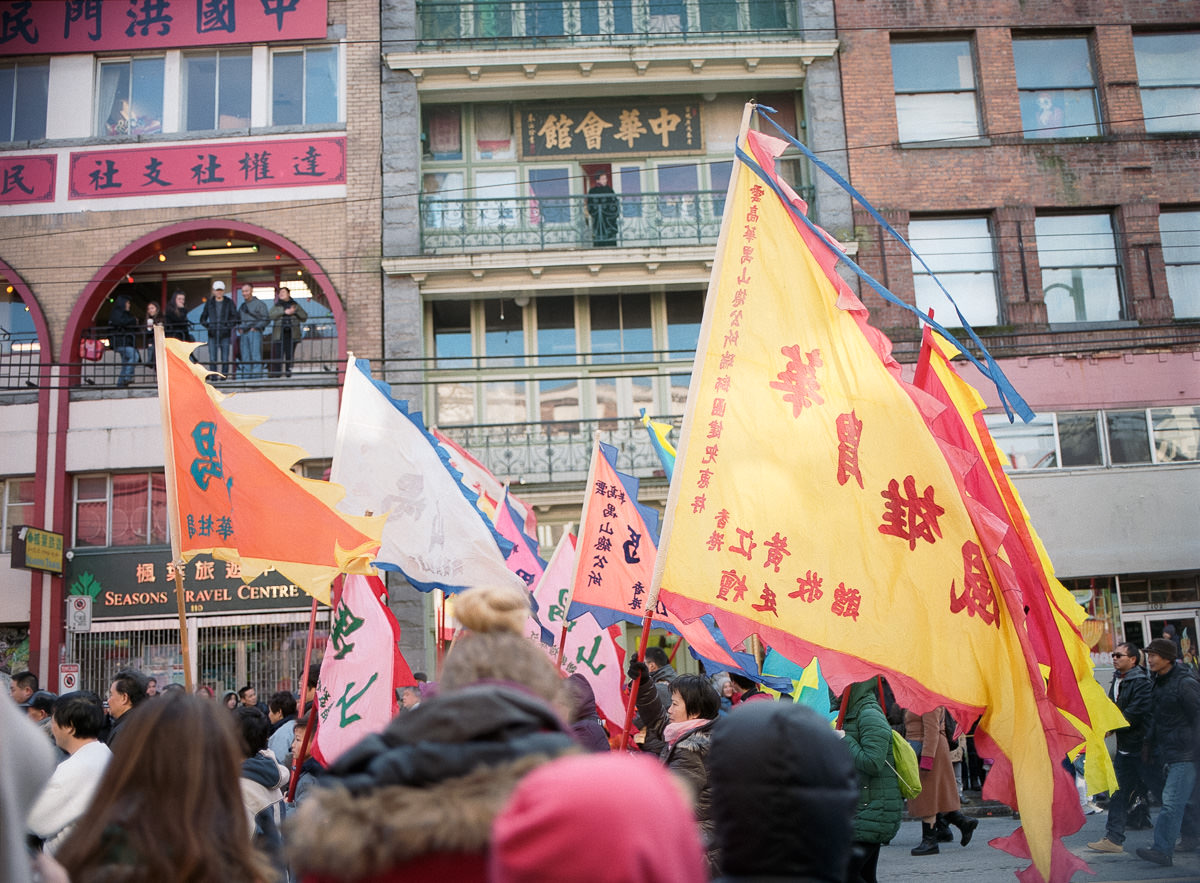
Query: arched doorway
188	258
24	334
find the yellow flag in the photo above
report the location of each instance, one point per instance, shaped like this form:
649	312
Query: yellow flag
812	506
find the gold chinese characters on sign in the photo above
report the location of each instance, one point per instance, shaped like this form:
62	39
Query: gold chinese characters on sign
609	130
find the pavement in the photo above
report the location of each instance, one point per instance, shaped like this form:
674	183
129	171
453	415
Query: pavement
981	863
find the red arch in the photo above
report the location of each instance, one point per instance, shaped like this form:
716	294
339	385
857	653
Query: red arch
141	250
35	309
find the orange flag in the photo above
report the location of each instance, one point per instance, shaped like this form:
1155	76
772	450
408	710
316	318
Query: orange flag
235	497
812	506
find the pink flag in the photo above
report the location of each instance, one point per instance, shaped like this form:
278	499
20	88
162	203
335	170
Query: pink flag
356	695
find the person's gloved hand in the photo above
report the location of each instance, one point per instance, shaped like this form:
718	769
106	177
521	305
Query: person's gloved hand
926	763
638	670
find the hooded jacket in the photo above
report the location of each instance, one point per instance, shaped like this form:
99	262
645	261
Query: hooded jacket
869	738
783	795
417	800
122	322
1174	717
585	723
1134	701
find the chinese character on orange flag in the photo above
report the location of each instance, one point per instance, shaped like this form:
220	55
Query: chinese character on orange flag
878	534
235	496
356	693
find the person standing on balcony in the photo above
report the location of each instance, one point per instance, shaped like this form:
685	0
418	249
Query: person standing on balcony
123	326
604	209
288	317
175	322
219	318
253	320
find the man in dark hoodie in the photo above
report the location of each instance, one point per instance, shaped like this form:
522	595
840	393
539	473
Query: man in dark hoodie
261	782
123	326
772	761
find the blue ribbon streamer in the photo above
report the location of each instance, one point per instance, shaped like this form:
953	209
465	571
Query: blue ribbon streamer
1010	399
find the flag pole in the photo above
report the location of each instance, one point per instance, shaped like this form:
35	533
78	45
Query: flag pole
633	686
164	404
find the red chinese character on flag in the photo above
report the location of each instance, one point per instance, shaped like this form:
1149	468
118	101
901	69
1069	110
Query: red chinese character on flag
745	544
768	601
723	519
977	596
846	601
731	579
808	588
798	381
698	504
849	431
778	548
715	539
911	517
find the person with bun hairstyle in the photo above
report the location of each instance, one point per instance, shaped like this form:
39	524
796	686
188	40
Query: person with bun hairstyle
417	801
168	806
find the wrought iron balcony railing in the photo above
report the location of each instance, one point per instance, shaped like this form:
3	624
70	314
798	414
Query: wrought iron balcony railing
451	225
442	23
557	451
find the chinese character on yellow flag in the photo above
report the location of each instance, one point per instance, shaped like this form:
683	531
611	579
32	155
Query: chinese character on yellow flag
235	496
811	505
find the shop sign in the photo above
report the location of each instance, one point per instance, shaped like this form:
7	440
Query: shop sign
216	166
604	130
42	27
35	549
28	178
129	584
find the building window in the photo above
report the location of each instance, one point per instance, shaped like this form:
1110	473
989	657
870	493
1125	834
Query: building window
1169	76
1180	232
18	507
130	97
1080	273
23	98
216	91
125	509
959	251
1176	433
1057	88
304	86
935	90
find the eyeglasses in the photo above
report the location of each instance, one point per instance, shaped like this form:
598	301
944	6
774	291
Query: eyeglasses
1119	655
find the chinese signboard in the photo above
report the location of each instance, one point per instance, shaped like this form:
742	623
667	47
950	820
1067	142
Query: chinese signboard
37	549
42	27
129	584
609	130
235	165
27	179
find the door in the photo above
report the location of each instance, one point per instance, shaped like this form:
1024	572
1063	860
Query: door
1148	626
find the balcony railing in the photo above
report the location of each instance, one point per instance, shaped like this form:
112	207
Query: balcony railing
554	451
20	359
442	23
558	222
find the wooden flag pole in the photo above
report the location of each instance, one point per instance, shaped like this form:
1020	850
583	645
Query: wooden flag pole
310	726
173	522
633	687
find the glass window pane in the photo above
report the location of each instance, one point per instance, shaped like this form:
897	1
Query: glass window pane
497	192
505	402
631	186
91	524
287	82
556	330
33	84
1128	437
552	195
975	294
158	508
1081	295
504	336
8	86
1060	113
200	89
637	340
452	333
113	108
936	116
1180	233
1167	59
234	90
1079	276
93	487
679	394
952	244
441	200
147	96
685	311
941	66
1176	433
1171	110
494	132
455	404
605	313
1026	445
1078	439
130	510
558	399
321	86
1075	241
1060	62
442	132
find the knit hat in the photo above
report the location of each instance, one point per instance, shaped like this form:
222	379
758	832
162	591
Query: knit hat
1162	647
604	818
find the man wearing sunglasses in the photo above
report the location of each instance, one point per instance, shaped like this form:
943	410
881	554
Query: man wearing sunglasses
1130	690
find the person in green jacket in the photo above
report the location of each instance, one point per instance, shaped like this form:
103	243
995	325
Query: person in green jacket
877	817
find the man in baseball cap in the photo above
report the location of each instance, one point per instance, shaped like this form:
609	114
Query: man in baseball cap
1171	742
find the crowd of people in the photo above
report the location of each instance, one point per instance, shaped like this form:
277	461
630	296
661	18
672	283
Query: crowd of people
503	770
248	324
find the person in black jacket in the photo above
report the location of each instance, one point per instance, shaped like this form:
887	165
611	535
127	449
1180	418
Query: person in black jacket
1170	743
175	320
1130	690
124	337
219	318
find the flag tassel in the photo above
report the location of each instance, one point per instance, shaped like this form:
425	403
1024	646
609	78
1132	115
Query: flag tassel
633	687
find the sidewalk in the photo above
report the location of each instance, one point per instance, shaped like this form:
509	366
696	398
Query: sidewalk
974	805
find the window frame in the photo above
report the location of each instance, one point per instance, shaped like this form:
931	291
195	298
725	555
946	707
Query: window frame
102	128
1192	85
948	275
184	88
339	77
9	135
1178	266
1061	129
10	485
150	498
973	91
1044	252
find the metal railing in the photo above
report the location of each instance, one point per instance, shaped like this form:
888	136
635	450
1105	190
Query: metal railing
561	450
442	23
20	360
562	222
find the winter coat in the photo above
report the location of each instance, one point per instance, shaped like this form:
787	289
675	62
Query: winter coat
585	723
123	324
253	315
1174	716
784	791
1134	701
939	788
175	322
219	318
869	738
686	757
280	318
417	800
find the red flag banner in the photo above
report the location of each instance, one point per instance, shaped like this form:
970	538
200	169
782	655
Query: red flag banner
236	498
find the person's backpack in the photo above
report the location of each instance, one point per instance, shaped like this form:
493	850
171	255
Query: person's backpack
907	768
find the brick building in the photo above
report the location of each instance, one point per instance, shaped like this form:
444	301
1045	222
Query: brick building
150	148
1044	160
